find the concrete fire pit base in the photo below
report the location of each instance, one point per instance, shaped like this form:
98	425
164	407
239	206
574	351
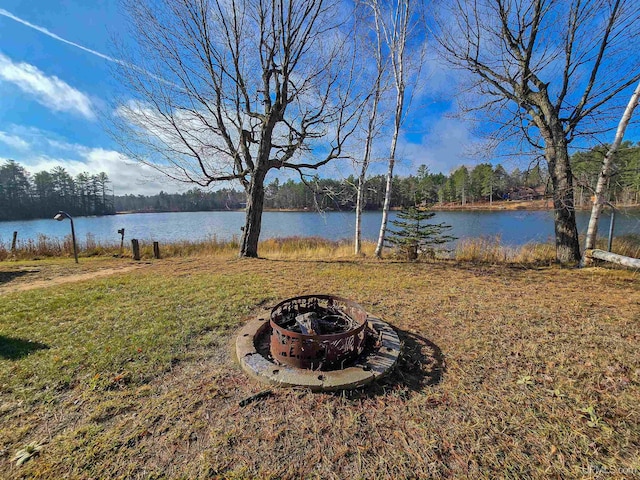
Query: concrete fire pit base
367	368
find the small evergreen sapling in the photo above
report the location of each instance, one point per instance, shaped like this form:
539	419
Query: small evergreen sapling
413	234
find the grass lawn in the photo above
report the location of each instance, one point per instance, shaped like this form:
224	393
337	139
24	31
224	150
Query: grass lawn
506	372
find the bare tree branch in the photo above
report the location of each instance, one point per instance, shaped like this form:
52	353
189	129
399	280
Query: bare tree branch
547	92
229	90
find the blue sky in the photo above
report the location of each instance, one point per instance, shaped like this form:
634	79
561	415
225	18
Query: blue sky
56	89
54	97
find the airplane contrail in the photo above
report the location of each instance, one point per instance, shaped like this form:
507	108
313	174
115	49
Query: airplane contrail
4	13
43	30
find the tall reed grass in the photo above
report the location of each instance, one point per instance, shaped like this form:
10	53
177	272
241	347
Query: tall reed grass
289	247
627	245
483	249
311	248
491	250
46	247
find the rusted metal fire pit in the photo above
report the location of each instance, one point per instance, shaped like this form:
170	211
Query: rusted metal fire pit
317	332
320	342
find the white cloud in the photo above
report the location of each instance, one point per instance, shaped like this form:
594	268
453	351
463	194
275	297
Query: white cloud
50	91
13	141
449	144
156	141
126	176
60	145
47	150
437	80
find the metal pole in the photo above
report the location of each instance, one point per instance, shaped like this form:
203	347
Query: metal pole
611	226
60	216
73	237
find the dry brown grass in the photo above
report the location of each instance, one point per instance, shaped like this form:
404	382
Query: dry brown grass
491	250
506	372
288	247
544	204
483	249
628	245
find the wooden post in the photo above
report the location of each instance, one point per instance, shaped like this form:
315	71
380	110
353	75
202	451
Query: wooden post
13	242
135	246
121	232
156	250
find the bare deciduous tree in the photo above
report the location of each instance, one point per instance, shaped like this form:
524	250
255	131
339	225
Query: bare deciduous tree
605	173
547	71
228	90
369	23
397	22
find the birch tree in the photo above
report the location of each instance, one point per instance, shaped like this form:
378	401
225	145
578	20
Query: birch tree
399	24
372	31
545	72
225	91
605	174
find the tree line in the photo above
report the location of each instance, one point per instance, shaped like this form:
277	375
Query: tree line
481	183
465	185
41	195
624	181
24	196
194	200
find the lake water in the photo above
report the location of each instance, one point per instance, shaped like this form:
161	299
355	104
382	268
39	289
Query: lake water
514	227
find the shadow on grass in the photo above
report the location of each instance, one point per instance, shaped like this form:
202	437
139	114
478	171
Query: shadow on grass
6	277
421	364
16	348
473	266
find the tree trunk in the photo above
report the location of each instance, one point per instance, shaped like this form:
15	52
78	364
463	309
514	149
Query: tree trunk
566	231
392	161
361	197
605	173
613	257
581	196
253	219
491	192
385	206
359	207
396	39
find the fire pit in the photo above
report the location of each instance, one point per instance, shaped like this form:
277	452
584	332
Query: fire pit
321	342
319	332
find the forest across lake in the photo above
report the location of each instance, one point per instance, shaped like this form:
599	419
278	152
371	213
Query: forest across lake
25	195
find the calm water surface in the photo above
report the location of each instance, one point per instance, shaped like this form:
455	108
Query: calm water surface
514	227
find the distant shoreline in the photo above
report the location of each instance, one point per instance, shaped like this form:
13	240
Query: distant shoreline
498	205
501	205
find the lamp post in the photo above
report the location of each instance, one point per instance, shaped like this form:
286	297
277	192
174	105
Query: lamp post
60	216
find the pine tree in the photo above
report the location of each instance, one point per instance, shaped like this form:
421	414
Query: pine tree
413	234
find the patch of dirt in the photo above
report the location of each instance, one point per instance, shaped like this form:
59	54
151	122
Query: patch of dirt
20	279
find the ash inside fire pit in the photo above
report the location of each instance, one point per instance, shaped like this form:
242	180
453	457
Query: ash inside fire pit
317	331
321	321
